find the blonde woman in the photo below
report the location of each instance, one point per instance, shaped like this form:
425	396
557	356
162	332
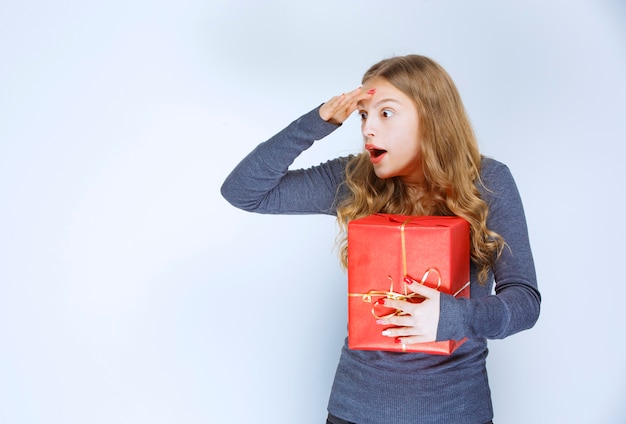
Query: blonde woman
419	157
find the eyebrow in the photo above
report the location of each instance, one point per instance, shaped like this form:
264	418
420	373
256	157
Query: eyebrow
378	103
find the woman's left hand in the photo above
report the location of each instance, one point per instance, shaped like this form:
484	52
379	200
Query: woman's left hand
419	321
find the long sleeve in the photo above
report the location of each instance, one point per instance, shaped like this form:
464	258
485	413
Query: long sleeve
263	183
516	303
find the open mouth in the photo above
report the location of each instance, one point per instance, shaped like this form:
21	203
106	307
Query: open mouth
375	151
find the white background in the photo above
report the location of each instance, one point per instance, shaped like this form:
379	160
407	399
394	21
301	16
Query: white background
131	292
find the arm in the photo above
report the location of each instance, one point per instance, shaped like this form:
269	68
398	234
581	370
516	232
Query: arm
262	183
516	303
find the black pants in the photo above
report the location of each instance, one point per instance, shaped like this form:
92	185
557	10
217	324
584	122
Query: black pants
334	420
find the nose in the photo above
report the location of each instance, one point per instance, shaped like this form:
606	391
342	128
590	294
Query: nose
367	128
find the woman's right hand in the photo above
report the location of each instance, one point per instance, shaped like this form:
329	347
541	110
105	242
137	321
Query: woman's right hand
337	109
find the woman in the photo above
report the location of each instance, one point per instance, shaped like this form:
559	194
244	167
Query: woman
420	157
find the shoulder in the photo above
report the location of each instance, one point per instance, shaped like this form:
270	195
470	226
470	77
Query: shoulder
491	168
496	180
494	173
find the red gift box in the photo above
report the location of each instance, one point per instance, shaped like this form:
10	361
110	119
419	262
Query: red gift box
382	250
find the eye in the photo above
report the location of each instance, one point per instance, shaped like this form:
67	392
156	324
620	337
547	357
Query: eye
386	113
363	115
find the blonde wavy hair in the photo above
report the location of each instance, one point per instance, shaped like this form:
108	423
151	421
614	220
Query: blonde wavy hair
450	161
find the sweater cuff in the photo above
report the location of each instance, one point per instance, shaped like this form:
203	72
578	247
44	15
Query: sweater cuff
451	318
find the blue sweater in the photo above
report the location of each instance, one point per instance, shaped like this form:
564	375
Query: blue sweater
374	387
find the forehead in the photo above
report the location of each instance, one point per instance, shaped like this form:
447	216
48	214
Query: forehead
378	83
385	92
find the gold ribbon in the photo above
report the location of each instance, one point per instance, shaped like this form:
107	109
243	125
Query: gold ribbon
367	297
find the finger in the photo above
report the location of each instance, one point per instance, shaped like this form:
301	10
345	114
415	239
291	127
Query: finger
394	304
402	332
342	98
339	108
354	92
330	108
358	95
355	95
346	109
348	99
409	340
420	289
397	320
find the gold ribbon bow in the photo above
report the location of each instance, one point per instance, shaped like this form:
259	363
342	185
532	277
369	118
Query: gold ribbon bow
367	297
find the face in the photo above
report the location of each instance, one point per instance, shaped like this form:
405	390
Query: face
390	125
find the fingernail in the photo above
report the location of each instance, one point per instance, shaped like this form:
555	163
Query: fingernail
386	333
371	91
380	321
